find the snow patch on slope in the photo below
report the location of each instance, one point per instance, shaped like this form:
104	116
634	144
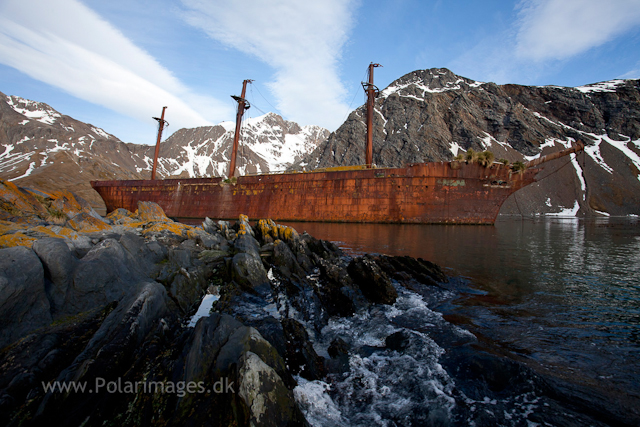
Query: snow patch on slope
567	212
99	132
419	84
609	86
33	110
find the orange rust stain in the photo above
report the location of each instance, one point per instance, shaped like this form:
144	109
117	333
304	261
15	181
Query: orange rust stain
425	193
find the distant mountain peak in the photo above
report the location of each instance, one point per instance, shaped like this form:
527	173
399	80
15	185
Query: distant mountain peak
33	110
435	80
268	143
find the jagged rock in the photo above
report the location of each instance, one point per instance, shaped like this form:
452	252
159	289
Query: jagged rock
103	275
269	401
212	256
335	292
80	245
149	254
224	229
271	330
372	281
23	300
150	211
337	348
122	216
223	351
44	355
207	240
209	226
16	202
67	204
246	243
339	352
398	341
285	260
248	272
59	264
114	323
422	270
301	358
268	232
108	355
244	226
86	223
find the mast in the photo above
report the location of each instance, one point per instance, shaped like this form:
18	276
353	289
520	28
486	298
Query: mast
243	104
372	92
161	122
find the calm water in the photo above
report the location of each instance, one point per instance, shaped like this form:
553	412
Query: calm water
563	296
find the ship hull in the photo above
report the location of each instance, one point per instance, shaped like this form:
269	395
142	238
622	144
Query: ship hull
439	192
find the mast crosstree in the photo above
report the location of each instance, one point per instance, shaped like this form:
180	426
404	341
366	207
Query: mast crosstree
372	92
161	123
243	105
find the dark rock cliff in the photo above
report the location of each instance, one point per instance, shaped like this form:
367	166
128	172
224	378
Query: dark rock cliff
432	115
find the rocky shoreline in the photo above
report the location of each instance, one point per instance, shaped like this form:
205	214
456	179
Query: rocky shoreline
105	302
98	328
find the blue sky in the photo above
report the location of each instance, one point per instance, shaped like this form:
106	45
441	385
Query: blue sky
116	63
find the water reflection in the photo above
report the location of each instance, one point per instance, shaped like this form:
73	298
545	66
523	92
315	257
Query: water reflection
562	293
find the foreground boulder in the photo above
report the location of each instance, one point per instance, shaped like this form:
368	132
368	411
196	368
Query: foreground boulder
372	281
106	304
24	305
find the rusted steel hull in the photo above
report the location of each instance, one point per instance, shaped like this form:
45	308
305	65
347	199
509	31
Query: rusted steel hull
439	192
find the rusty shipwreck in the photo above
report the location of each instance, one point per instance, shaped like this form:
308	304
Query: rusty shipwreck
454	192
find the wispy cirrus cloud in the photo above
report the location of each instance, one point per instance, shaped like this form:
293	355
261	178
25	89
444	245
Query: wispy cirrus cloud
544	36
559	29
302	41
65	44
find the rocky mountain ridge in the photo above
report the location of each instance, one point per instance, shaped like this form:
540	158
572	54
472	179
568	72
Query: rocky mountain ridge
433	115
41	148
426	115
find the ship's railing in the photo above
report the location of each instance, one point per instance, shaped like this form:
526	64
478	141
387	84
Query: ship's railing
329	169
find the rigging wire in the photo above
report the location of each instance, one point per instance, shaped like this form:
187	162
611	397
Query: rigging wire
263	97
263	112
357	86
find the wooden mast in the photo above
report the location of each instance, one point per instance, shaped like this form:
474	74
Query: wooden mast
243	105
372	92
161	122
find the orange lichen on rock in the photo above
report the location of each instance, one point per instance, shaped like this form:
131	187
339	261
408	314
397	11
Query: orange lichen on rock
268	228
8	227
170	226
16	239
42	231
17	202
124	217
121	215
286	233
86	223
66	202
149	211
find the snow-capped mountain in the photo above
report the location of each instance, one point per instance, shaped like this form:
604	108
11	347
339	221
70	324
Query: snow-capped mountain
269	143
433	115
41	148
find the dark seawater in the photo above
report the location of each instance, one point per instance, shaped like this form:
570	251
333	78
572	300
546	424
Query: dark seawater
552	305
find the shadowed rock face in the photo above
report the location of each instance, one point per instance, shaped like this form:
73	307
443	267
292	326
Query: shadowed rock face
108	308
111	310
432	115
